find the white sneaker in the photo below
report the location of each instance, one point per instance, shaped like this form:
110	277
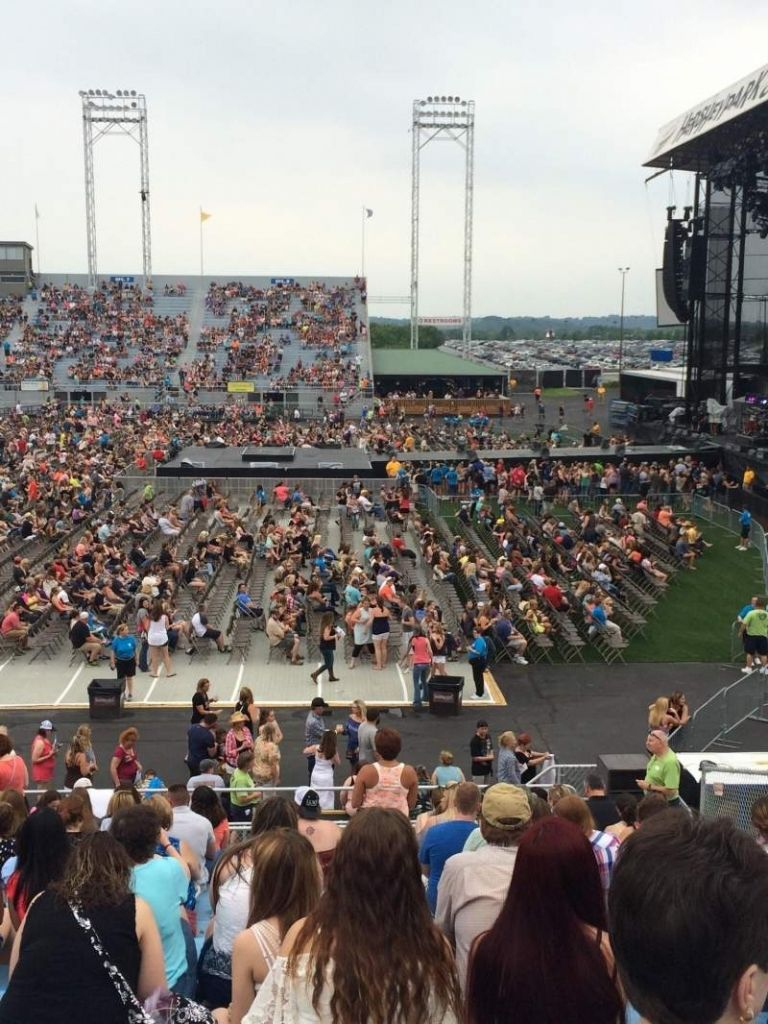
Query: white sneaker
764	671
747	668
475	696
520	660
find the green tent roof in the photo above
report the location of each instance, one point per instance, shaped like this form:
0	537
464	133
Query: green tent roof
399	362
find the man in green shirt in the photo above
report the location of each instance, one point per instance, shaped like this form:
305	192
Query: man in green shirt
754	629
663	772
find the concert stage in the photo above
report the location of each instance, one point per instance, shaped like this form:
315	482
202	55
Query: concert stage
342	463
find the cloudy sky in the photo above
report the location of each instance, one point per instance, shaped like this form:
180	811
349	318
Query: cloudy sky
282	120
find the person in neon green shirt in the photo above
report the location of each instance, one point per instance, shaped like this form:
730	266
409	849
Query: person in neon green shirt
663	772
242	792
754	631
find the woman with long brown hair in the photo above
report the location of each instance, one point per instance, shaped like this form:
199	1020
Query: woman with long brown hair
285	887
355	958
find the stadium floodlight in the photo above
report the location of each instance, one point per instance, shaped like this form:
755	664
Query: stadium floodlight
455	122
102	117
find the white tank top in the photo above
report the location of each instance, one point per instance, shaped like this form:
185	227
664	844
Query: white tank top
231	916
157	632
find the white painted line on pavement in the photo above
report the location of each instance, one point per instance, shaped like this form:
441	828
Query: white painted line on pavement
238	684
69	685
403	684
155	681
6	662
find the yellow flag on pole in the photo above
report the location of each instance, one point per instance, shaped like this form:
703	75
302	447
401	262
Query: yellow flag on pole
204	216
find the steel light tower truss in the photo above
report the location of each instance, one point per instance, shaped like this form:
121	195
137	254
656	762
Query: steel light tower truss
451	119
123	112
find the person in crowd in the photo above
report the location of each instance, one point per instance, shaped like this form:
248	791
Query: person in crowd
76	813
754	631
353	952
194	829
446	771
8	829
481	754
230	896
602	808
556	883
380	615
201	742
124	796
243	793
163	881
508	768
267	717
125	767
266	756
327	643
626	805
326	758
420	654
42	755
285	887
283	638
351	728
446	839
93	893
663	945
209	775
201	700
478	662
663	772
366	737
661	717
206	803
474	885
83	639
532	761
123	657
314	727
246	706
13	770
204	631
604	845
43	851
388	782
164	814
157	639
239	739
323	835
443	808
80	760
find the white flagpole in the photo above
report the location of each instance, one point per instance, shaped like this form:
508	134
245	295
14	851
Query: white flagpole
362	253
37	238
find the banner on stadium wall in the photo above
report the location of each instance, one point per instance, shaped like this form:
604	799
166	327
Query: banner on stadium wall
240	387
282	280
34	385
440	320
122	279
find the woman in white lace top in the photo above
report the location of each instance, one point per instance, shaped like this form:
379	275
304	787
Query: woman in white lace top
369	953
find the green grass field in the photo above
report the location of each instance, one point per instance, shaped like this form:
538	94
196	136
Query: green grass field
693	621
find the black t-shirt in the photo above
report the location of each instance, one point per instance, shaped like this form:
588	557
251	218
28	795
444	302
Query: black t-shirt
79	633
604	811
480	747
200	705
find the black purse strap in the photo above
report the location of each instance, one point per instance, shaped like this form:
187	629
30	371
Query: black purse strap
136	1012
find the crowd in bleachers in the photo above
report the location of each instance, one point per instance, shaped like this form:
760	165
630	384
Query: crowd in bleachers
451	904
110	334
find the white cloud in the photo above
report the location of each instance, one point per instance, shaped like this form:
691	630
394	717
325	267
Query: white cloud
282	119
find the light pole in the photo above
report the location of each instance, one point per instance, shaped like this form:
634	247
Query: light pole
623	271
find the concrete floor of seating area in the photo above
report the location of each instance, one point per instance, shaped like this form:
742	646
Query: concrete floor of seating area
57	684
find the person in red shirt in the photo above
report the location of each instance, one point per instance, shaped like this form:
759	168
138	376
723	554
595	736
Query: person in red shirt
554	595
12	627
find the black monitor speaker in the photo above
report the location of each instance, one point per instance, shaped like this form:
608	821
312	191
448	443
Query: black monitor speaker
676	269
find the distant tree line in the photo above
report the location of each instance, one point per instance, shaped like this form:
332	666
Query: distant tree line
399	336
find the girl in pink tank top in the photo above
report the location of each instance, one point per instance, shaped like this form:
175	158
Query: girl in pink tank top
388	791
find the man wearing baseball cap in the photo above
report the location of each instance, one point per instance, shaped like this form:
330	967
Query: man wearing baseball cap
314	728
324	835
474	885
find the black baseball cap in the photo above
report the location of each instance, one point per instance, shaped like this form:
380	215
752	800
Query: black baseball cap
318	702
308	803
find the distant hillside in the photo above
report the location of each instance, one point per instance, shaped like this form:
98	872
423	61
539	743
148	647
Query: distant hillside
510	328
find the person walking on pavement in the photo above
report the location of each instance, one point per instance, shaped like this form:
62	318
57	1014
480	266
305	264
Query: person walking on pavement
478	662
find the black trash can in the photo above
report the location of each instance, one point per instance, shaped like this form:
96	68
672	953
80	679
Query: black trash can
105	698
445	693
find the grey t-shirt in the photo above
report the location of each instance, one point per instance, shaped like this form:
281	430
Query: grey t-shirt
365	737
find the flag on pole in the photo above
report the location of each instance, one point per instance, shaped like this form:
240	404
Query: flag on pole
368	213
204	216
37	213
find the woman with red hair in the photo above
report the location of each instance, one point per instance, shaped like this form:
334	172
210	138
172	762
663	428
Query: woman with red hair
552	926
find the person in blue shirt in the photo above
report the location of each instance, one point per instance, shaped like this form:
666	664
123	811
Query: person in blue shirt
746	609
446	839
478	661
745	522
436	477
452	480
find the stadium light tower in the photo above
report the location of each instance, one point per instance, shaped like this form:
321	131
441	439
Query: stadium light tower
451	119
123	112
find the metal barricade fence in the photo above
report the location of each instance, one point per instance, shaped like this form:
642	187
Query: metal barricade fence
728	519
719	715
729	792
563	775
